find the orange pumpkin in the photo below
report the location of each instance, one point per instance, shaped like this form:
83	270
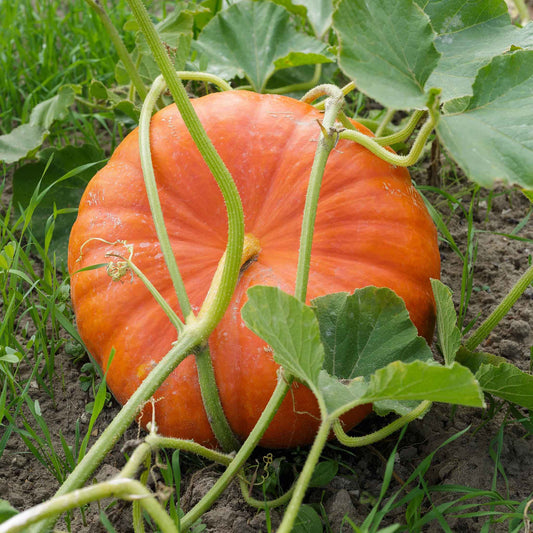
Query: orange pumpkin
372	228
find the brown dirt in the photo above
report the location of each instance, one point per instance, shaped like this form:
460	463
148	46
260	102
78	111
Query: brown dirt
468	461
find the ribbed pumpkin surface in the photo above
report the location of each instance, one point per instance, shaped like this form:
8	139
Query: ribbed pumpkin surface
372	228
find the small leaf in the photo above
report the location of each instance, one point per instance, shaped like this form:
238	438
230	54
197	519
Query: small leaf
253	39
117	102
473	360
323	473
7	254
469	35
448	332
386	47
307	521
492	139
6	511
289	327
528	194
24	140
508	382
366	331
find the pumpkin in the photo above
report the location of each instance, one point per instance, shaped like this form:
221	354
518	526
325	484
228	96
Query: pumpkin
372	228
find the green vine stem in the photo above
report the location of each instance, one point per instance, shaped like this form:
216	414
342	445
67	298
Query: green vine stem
326	143
382	433
305	476
304	86
189	446
348	88
153	196
213	161
119	269
523	11
389	115
236	465
211	401
172	316
394	159
501	310
404	133
122	488
121	49
112	433
263	504
387	140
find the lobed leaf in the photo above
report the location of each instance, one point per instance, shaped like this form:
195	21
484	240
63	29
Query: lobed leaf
418	380
24	140
289	327
253	39
508	382
469	35
491	139
386	47
319	13
366	330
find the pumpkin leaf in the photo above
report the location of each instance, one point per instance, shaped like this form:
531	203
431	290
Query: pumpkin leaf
289	327
417	380
491	139
122	106
448	332
499	377
508	382
366	330
319	13
469	35
73	167
307	521
254	39
388	40
175	31
24	140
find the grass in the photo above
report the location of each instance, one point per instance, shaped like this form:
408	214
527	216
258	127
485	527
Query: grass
52	44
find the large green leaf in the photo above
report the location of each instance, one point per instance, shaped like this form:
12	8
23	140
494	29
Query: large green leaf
418	380
365	331
27	138
289	327
78	164
470	34
492	139
253	39
386	46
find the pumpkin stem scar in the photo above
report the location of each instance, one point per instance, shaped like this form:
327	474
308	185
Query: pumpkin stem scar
250	250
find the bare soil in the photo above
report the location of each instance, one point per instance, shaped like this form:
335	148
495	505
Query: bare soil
468	461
